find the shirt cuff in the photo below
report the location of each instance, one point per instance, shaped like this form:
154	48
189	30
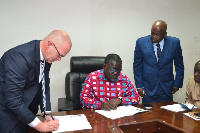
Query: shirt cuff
46	112
34	122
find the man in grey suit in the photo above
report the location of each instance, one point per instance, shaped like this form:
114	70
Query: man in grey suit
24	83
154	58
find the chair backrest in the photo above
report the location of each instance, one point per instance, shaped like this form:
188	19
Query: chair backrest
80	67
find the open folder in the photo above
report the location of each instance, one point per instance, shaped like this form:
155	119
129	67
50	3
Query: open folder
187	106
177	107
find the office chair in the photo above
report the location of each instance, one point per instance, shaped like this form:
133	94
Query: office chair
80	67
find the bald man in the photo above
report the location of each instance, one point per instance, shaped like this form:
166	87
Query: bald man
154	58
22	84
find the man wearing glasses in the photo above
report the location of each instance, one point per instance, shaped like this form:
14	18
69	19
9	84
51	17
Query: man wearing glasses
107	88
24	83
155	56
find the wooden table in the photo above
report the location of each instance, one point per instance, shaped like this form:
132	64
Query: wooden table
165	121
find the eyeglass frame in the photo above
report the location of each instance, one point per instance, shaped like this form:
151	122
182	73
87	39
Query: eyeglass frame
56	49
112	70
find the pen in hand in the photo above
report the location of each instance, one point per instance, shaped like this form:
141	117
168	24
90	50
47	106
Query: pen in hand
107	105
110	103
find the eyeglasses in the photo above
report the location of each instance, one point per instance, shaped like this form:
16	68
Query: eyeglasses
112	70
57	50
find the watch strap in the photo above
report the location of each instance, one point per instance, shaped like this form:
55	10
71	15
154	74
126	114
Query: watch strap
49	114
120	99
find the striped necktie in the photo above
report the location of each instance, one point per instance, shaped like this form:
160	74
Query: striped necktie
43	86
158	51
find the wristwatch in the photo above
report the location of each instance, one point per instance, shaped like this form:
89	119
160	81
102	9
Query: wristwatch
120	99
49	114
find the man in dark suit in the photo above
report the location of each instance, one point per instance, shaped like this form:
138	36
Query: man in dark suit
153	65
21	83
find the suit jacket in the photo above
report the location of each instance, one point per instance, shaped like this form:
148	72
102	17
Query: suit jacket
148	73
19	84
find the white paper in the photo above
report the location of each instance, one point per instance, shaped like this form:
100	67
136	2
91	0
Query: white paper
190	106
72	123
121	111
174	107
187	114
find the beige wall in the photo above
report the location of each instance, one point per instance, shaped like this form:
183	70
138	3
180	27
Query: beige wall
99	27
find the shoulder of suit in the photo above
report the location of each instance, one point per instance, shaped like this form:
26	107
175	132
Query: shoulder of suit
171	38
143	39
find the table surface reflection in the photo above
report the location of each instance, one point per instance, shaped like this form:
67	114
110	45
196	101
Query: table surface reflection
100	123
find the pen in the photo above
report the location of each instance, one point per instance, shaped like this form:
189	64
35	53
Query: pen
143	90
113	106
53	118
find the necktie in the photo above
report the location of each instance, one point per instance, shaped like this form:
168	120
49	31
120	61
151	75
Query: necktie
158	51
43	86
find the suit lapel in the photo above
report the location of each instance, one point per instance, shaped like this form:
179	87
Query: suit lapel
151	49
164	52
37	59
37	63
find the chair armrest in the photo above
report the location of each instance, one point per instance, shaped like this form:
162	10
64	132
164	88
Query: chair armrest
64	104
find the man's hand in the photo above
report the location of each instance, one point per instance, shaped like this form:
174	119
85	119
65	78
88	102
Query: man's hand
175	89
109	105
47	126
141	92
115	102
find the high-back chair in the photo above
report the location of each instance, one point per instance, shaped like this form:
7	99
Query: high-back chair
80	67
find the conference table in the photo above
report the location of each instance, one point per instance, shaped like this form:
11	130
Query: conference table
156	120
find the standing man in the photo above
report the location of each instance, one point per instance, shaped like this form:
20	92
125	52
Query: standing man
153	65
24	83
107	88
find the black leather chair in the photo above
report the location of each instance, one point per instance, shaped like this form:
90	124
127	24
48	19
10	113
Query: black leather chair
80	67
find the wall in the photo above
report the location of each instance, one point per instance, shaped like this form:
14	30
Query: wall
100	27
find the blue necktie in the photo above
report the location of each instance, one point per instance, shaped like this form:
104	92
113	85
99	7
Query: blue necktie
43	86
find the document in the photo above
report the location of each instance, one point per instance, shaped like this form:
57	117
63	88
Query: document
187	106
174	107
121	111
72	123
192	116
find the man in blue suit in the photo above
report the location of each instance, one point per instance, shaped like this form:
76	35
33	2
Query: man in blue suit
153	65
21	83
